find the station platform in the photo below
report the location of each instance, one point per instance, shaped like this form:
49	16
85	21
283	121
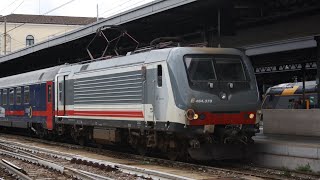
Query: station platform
287	152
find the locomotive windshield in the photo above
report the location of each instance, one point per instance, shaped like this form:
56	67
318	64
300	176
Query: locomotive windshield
214	68
200	69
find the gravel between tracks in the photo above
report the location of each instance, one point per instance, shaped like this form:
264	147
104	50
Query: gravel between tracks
196	171
34	171
5	175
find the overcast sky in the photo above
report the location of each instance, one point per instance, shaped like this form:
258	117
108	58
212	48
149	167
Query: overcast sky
87	8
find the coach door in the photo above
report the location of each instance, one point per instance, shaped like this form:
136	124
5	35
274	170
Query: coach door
61	94
148	93
49	101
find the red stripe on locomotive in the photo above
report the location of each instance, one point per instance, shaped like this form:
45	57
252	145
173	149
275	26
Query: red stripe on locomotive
128	114
223	118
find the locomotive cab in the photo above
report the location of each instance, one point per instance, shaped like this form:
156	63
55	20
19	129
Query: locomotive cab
217	90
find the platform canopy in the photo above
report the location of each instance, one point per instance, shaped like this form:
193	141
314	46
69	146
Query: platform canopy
193	20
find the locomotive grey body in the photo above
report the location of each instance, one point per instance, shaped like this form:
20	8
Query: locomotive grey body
171	100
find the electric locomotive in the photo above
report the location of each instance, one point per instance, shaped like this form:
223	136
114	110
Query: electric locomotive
291	96
181	100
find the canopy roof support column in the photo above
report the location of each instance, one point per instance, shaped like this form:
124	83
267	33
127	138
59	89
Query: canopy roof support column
318	69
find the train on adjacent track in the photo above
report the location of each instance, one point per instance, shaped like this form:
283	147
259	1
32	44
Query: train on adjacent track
292	96
180	100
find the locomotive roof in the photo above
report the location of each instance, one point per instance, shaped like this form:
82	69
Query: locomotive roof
310	86
33	77
147	57
129	60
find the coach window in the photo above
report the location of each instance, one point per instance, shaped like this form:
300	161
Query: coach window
18	95
11	96
26	95
4	97
0	96
49	93
159	79
60	92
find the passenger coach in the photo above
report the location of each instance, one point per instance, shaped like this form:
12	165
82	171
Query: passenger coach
27	100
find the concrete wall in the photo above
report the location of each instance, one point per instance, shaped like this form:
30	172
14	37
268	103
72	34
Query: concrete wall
289	154
40	32
292	122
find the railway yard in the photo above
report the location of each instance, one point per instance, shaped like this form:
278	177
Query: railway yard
164	90
41	159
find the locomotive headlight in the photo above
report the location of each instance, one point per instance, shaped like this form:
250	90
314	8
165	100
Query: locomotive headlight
190	114
223	95
195	116
251	116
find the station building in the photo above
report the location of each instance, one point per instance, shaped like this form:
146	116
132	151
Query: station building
25	30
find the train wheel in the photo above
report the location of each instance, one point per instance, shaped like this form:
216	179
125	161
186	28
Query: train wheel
81	140
173	154
142	150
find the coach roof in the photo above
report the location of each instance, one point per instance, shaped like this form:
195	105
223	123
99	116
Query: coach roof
33	77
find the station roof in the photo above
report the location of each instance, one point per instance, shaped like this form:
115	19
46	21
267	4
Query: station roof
78	34
187	18
290	51
281	46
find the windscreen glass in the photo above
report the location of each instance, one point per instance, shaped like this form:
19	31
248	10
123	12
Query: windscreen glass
213	68
229	69
200	69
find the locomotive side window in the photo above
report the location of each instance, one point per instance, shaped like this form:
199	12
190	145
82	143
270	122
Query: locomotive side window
26	95
200	69
18	95
11	96
60	91
1	97
159	72
4	97
49	93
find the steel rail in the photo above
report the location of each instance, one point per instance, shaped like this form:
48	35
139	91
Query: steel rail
154	159
147	173
21	146
86	175
15	172
50	165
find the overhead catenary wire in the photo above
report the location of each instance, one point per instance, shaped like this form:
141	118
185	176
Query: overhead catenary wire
20	44
100	15
54	9
17	6
14	9
125	8
8	6
118	11
110	9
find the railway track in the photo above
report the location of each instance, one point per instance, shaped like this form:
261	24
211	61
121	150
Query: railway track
34	160
232	171
26	153
13	171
